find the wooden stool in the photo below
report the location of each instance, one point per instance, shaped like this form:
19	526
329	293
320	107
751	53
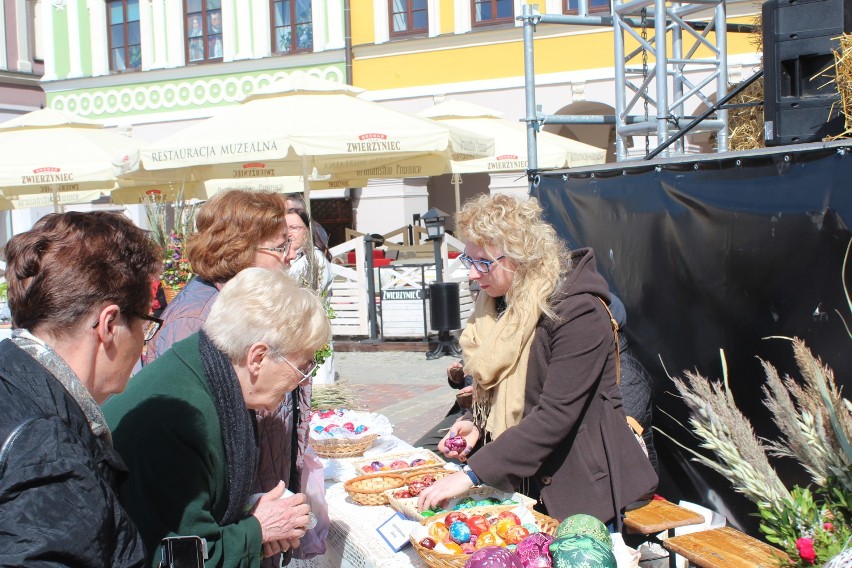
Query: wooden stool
725	548
658	516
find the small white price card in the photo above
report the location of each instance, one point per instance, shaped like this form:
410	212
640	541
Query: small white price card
394	531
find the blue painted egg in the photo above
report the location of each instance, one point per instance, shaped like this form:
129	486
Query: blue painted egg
460	532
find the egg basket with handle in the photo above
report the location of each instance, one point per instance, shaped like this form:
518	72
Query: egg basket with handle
433	461
371	489
435	559
343	447
408	505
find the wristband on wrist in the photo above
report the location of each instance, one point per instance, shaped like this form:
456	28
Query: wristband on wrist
471	475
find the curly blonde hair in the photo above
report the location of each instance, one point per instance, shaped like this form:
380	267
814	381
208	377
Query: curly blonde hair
516	227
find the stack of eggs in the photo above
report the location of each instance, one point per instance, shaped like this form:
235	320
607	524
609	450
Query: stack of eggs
344	423
580	540
396	464
469	503
462	533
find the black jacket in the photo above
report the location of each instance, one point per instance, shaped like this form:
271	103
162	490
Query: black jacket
58	481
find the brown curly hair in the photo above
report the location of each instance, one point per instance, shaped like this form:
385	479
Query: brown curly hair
229	226
70	264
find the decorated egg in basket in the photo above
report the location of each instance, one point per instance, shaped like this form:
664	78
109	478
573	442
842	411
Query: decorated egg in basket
534	551
581	550
584	525
493	557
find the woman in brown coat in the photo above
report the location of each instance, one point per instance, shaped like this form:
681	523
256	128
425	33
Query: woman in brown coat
547	417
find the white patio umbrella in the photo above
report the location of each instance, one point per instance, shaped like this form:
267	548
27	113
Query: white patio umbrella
300	125
202	190
49	151
510	142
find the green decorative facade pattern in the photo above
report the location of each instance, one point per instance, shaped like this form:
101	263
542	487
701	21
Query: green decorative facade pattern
173	96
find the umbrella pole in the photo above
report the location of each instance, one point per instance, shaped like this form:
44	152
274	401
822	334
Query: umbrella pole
456	183
54	193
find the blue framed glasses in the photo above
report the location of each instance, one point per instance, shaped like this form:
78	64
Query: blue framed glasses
483	266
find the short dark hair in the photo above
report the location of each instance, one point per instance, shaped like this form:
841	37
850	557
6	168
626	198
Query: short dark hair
71	263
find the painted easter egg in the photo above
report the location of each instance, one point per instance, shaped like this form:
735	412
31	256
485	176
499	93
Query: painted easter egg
455	444
493	557
583	524
534	551
477	524
459	532
581	550
439	531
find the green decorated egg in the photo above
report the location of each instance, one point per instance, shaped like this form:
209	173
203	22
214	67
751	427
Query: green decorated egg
588	525
580	550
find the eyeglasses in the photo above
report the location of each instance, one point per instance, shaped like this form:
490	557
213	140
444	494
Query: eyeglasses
483	266
295	229
152	325
307	374
282	248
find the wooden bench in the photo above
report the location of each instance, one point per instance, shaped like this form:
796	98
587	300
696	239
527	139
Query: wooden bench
658	516
725	548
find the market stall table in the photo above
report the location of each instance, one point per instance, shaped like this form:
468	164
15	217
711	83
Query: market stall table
352	539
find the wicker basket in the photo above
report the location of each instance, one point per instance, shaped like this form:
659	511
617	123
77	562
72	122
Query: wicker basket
343	447
435	462
370	489
408	506
440	560
170	293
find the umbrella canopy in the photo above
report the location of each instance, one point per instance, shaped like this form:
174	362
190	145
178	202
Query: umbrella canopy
510	141
49	199
49	151
203	190
300	124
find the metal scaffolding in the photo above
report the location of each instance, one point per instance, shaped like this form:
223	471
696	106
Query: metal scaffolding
644	104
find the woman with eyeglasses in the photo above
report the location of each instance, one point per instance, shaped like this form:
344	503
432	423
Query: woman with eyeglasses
314	272
79	289
235	230
547	416
186	424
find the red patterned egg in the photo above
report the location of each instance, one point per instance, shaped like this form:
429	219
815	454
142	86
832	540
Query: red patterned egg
349	426
399	464
455	444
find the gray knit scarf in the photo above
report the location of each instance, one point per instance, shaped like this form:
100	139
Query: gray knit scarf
237	424
51	360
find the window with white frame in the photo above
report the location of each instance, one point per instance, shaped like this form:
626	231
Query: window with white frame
292	26
203	25
125	44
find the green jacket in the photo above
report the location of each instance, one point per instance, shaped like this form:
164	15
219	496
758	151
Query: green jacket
166	428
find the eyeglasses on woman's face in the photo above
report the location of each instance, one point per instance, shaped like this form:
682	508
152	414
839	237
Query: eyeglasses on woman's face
150	328
281	249
307	373
482	265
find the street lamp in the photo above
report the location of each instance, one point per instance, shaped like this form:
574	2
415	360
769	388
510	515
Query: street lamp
443	296
434	221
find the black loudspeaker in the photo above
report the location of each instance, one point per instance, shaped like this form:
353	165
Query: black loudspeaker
801	103
444	307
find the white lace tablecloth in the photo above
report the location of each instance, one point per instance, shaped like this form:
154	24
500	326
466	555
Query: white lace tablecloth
352	539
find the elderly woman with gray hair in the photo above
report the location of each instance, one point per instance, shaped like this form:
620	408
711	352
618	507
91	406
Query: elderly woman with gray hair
186	429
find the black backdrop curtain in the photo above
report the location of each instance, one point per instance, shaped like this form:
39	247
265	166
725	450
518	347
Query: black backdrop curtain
718	252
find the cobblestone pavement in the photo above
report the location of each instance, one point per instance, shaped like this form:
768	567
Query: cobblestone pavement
406	387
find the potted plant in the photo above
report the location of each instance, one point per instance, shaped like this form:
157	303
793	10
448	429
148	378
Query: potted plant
170	225
176	268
